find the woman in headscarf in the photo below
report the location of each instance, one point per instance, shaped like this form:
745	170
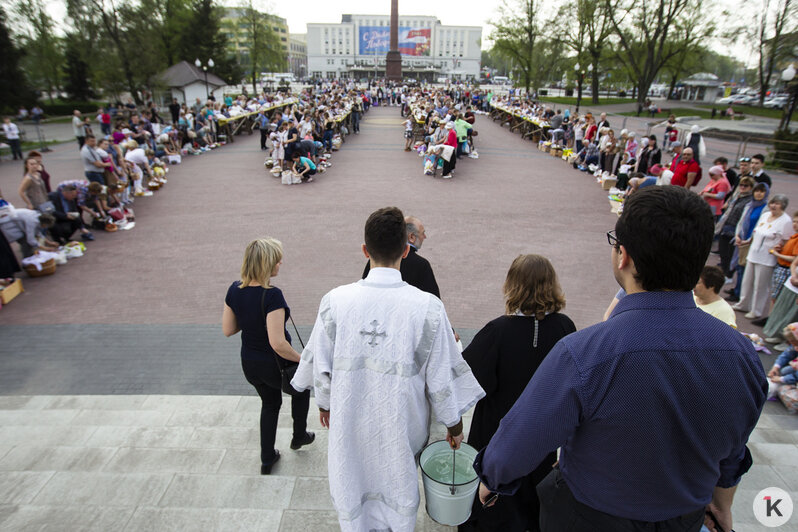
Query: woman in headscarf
695	141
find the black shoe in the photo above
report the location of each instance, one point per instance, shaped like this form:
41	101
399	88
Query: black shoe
307	439
759	322
730	291
87	236
733	299
266	469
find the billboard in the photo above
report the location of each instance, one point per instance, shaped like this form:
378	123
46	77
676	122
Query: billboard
376	40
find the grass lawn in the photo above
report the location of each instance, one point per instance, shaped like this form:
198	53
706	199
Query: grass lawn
564	100
678	111
751	110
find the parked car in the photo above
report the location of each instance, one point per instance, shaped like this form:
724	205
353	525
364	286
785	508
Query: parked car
737	99
776	103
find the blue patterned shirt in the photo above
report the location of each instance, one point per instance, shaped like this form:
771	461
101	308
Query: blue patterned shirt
652	409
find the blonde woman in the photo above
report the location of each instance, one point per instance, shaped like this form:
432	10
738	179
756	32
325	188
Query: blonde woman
265	343
504	356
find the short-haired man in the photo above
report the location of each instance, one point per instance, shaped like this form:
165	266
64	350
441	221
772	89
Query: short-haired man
707	295
415	269
67	214
381	358
758	171
687	172
93	164
77	128
646	439
731	175
11	132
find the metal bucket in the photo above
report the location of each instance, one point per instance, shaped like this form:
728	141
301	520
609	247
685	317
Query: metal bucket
449	499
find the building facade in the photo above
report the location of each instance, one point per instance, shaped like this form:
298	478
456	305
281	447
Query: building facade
298	55
356	48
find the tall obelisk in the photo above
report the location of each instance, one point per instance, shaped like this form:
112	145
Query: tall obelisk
393	61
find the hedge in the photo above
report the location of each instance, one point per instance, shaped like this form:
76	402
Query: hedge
66	108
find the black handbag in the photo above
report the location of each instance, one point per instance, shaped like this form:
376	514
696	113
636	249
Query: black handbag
287	368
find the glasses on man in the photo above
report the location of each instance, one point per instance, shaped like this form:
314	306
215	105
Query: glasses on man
612	238
745	159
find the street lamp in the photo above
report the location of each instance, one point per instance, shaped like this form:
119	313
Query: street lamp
205	68
788	75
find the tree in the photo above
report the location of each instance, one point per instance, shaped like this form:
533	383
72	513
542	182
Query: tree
585	27
203	39
649	34
516	37
770	33
14	88
43	48
76	72
263	44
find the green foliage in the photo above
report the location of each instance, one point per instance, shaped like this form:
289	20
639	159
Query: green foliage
44	55
517	37
64	108
202	38
14	88
76	73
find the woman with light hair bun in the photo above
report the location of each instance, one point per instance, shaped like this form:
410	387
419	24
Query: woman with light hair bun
258	309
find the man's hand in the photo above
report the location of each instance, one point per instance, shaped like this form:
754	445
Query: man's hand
484	494
454	441
723	517
324	418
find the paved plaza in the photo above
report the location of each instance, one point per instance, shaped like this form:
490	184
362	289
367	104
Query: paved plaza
122	405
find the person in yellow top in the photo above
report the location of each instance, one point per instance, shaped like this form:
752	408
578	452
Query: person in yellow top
707	298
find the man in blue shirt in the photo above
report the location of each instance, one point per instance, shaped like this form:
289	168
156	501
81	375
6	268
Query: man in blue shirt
652	408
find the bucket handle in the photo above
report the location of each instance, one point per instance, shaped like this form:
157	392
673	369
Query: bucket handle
453	489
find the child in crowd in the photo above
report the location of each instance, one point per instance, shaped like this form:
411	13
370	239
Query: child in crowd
408	132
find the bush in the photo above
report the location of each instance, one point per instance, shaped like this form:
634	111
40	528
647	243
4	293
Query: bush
786	150
61	108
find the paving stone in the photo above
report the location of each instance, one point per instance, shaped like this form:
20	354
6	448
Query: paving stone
214	418
24	458
774	453
85	518
6	511
122	418
94	402
104	489
761	476
20	487
304	520
311	494
217	520
789	476
225	438
140	460
44	435
773	436
200	403
157	437
48	418
229	491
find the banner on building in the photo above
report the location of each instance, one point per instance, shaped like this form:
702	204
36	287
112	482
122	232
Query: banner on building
376	40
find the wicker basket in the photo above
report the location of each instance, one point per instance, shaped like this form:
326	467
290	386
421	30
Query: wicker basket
48	268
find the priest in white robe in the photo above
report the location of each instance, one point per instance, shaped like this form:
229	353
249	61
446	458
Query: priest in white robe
381	358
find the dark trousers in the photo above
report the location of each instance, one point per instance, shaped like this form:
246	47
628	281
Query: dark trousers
95	177
16	151
264	134
327	139
63	230
726	250
561	512
81	142
355	122
448	166
264	375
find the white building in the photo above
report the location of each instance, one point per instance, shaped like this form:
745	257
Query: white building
356	48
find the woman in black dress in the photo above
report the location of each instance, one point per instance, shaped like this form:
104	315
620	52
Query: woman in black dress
503	356
245	306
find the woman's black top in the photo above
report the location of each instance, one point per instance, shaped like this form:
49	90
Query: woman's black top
246	304
503	356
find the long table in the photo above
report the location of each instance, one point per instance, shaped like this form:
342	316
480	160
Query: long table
235	124
528	127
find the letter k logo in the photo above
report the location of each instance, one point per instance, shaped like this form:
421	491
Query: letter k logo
772	506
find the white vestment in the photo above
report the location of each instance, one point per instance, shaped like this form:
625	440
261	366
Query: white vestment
381	354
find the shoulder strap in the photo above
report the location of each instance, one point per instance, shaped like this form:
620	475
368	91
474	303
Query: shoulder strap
263	313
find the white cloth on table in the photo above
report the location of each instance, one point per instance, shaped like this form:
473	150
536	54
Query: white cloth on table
381	358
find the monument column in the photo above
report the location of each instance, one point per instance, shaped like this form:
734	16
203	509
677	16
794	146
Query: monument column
393	61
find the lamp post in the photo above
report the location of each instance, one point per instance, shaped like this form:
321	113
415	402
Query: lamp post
788	75
580	76
205	68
